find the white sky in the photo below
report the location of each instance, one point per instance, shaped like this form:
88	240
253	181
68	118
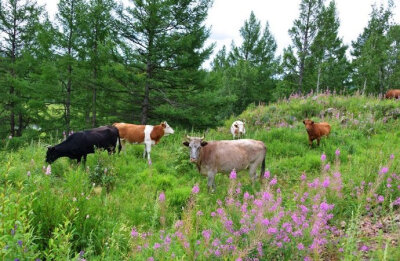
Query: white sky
226	17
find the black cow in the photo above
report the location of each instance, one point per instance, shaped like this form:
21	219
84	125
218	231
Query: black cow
81	143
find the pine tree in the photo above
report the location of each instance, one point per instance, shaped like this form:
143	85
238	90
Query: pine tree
303	33
18	18
329	66
253	65
371	52
167	39
70	17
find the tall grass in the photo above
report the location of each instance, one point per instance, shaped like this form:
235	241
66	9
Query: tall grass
118	207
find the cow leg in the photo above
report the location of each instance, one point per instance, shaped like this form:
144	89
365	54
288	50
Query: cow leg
252	172
144	151
310	142
211	182
147	151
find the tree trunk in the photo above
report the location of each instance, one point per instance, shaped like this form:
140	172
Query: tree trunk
20	124
365	86
146	102
319	75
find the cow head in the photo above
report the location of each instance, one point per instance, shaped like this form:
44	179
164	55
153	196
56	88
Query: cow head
309	124
51	155
239	126
167	129
195	144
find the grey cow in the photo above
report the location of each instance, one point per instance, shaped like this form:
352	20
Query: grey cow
225	155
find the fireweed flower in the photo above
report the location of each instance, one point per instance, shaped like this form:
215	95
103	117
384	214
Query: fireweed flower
233	174
195	189
380	198
326	183
273	181
392	156
199	213
161	198
134	233
267	174
337	152
384	170
303	176
327	167
300	246
323	157
364	248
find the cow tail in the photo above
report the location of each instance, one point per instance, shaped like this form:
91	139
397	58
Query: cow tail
263	167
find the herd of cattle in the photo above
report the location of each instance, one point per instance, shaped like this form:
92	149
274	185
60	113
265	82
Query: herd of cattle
210	157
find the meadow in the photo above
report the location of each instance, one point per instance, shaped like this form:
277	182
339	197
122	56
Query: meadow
338	201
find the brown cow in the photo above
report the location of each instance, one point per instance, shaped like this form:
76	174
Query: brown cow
392	94
143	134
316	130
226	155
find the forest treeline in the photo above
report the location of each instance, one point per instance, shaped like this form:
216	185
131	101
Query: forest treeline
99	61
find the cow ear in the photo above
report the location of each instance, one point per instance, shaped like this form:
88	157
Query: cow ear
304	122
236	125
204	143
163	125
185	143
312	122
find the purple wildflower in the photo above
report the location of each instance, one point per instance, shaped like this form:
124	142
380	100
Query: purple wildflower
303	176
267	174
327	167
199	213
161	198
380	198
134	233
206	234
233	174
195	189
337	152
326	183
150	259
323	157
384	170
273	181
300	246
19	243
392	156
364	248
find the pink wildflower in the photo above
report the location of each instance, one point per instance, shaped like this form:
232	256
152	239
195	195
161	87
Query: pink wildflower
323	157
233	174
384	170
267	174
273	181
380	198
337	152
134	233
195	189
161	198
300	246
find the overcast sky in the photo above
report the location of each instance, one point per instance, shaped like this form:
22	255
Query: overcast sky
226	17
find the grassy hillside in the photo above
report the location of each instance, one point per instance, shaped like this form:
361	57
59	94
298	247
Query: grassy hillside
307	207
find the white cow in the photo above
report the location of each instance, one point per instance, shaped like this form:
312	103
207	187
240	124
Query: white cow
238	129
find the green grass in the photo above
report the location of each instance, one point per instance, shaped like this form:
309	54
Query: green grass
64	213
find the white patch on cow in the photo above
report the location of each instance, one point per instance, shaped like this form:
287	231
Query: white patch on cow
148	141
147	131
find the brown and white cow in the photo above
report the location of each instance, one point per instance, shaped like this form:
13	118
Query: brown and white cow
225	155
143	134
316	130
392	94
238	129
